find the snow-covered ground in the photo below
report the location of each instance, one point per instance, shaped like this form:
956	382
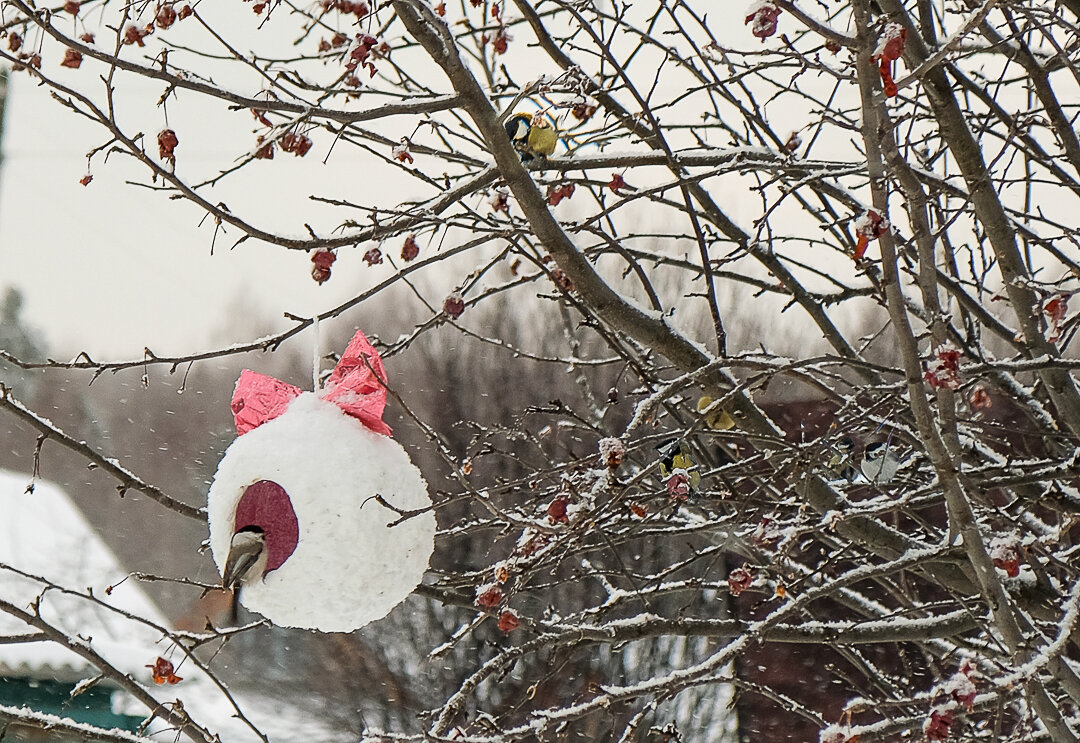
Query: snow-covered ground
43	535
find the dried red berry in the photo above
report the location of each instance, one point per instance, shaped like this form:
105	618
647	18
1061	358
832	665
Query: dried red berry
167	142
323	260
556	510
373	257
739	580
164	672
556	194
508	620
297	144
763	15
454	305
166	16
869	226
135	34
72	58
488	595
401	151
410	249
980	399
265	151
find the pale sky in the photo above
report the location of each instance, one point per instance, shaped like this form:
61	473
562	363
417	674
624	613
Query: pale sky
110	268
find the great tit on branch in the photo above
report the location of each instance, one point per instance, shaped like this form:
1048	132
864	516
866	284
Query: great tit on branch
532	136
840	463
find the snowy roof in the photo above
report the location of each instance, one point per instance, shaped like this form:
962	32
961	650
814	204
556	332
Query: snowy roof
44	534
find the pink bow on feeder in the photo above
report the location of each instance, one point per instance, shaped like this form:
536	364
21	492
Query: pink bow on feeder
355	386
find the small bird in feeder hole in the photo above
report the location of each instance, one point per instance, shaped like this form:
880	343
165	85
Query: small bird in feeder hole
245	564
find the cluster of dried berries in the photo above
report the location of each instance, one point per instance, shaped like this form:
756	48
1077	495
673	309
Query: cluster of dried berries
564	282
767	531
264	149
323	260
502	38
27	61
612	452
889	49
869	226
678	485
72	6
134	34
739	580
72	58
167	142
454	305
359	9
409	250
980	399
500	200
297	144
1055	309
555	194
364	49
488	596
617	182
1005	554
584	107
167	14
838	734
936	726
508	620
944	371
401	151
164	672
556	510
763	15
961	685
339	40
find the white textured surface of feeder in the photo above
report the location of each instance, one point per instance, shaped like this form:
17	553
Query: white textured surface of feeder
349	567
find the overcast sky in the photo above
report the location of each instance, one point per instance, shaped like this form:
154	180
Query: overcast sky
110	268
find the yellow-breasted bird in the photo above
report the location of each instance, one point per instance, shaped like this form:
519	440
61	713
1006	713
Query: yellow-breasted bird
532	136
715	416
675	455
840	464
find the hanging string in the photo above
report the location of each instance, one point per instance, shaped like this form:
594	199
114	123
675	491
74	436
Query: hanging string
316	354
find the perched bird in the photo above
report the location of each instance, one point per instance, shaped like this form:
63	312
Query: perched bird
532	136
880	463
674	456
245	564
715	416
840	462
